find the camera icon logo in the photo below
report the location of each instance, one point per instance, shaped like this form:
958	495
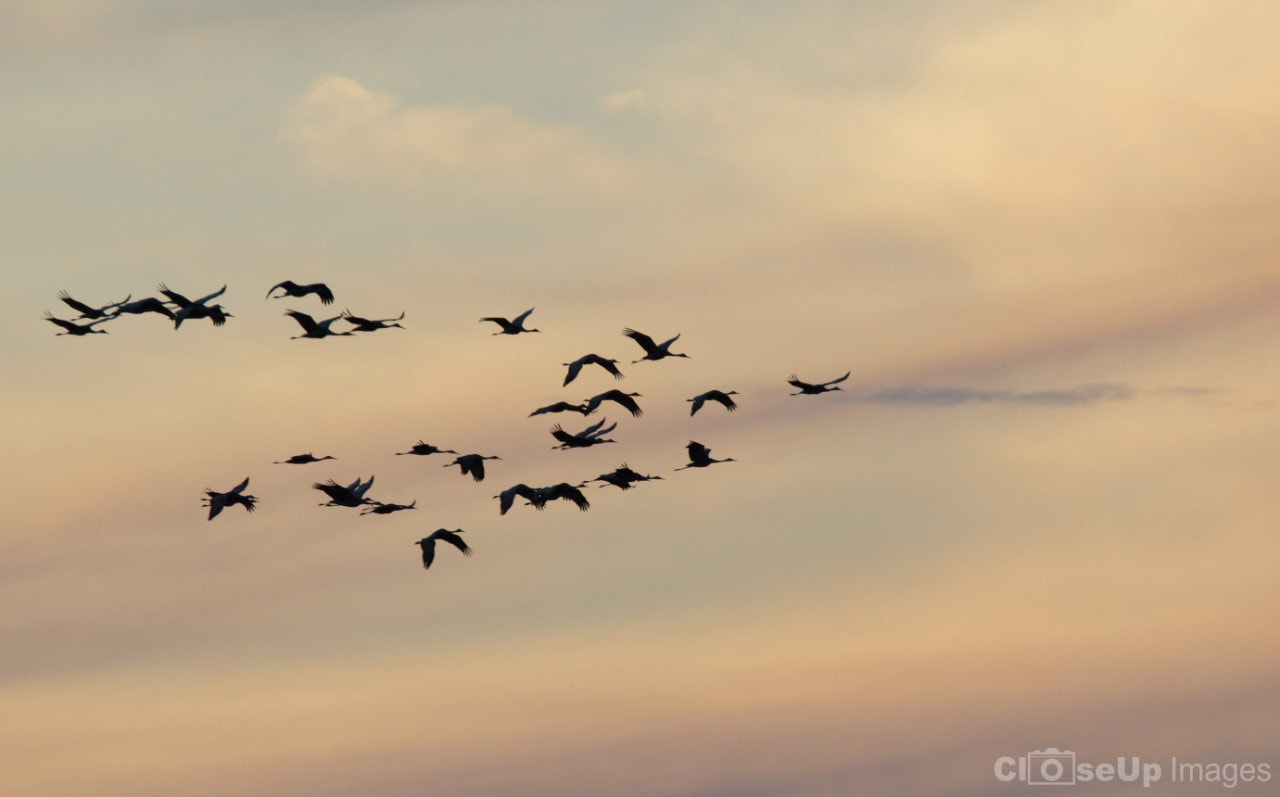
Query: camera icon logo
1051	767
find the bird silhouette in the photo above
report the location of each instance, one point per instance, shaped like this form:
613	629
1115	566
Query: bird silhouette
808	389
700	456
623	477
513	327
291	288
653	351
472	464
217	501
507	497
625	399
591	359
560	406
591	436
379	508
86	311
425	449
78	330
312	328
372	325
303	459
428	544
148	305
352	495
713	395
567	492
199	308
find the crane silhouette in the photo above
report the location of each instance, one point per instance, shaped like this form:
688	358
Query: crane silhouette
625	399
291	288
591	359
352	495
88	312
591	436
623	477
372	325
472	464
807	389
78	330
379	508
700	456
713	395
425	449
513	327
199	308
148	305
312	328
303	459
653	351
560	406
428	544
217	501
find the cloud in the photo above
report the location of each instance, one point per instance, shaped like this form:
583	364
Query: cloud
348	133
1064	397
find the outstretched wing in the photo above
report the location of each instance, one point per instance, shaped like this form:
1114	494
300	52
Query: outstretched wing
644	340
79	307
574	368
305	321
519	320
174	296
322	290
837	381
451	537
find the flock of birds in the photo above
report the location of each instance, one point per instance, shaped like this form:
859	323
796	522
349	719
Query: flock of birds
178	308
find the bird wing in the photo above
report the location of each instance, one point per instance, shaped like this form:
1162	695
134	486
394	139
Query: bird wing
216	502
644	340
574	368
601	432
724	399
560	434
79	307
626	401
837	381
174	296
70	326
213	295
334	490
428	545
307	323
288	285
361	488
322	290
451	537
698	401
239	488
570	493
608	366
519	320
697	451
593	428
355	319
667	344
794	381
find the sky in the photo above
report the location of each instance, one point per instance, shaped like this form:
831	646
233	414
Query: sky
1041	513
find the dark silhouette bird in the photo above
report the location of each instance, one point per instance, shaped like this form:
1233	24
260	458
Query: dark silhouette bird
623	477
291	288
713	395
351	495
591	436
560	406
148	305
428	544
813	390
216	501
513	327
86	311
372	325
700	456
625	399
567	492
199	308
425	449
312	328
591	359
379	508
653	351
472	464
72	328
507	497
303	459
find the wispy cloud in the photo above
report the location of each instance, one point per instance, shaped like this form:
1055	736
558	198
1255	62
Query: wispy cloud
1066	397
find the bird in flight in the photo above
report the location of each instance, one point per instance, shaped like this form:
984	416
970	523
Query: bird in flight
807	389
351	495
428	544
591	359
625	399
560	406
217	501
653	351
472	464
713	395
379	508
507	497
513	327
591	436
148	305
86	311
291	288
623	477
425	449
200	308
700	456
303	459
312	328
78	330
372	325
567	492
